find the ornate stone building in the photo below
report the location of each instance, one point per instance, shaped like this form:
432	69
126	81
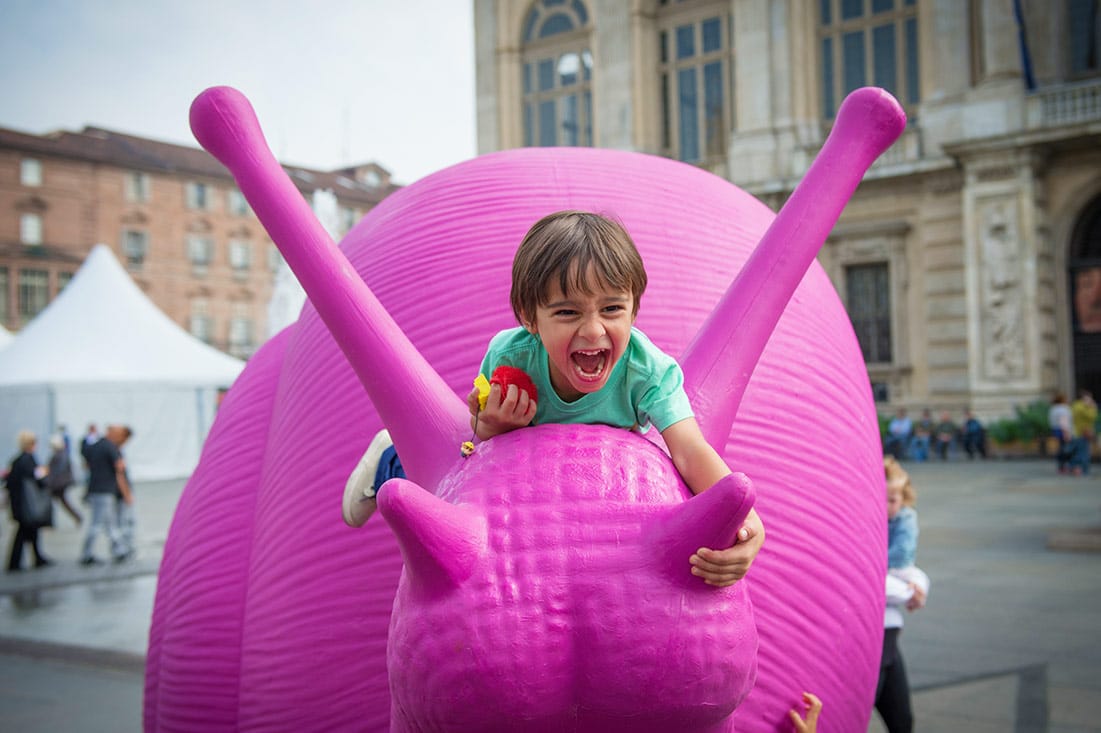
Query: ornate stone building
173	216
970	257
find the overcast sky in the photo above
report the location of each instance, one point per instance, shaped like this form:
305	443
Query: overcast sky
334	82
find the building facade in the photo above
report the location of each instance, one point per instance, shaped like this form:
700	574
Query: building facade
969	259
173	216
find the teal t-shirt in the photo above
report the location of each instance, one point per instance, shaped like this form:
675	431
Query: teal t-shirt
645	387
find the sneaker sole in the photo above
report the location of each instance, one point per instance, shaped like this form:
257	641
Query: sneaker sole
358	505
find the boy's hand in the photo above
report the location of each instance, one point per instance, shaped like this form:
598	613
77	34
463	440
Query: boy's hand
814	708
917	600
502	413
722	568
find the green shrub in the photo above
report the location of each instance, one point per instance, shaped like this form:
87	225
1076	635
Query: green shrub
1032	420
1027	424
884	421
1003	431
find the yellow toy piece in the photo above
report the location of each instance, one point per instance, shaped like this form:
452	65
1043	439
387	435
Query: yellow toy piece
482	384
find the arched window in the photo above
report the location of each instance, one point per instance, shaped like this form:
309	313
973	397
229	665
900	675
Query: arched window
696	56
557	74
868	43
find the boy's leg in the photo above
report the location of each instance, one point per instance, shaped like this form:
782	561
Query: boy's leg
379	463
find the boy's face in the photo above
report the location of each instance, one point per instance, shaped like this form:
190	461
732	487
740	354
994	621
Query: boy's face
894	502
584	335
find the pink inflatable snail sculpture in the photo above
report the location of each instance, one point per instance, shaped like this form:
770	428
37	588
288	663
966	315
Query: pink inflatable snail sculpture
543	583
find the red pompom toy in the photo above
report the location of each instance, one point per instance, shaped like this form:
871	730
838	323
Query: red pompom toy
506	375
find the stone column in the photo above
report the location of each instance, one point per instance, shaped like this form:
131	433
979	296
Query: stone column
645	98
752	148
613	74
944	50
487	61
1001	53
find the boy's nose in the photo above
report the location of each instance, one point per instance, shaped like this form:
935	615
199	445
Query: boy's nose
591	328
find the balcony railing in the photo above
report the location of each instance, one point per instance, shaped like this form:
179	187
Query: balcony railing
1067	104
1063	105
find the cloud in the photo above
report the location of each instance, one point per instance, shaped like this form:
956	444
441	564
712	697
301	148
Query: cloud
334	82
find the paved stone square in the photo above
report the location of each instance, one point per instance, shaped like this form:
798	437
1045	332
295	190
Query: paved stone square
1009	641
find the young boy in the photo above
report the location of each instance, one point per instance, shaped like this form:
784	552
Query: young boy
577	280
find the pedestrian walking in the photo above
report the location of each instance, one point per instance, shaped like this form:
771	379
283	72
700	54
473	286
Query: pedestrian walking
60	477
110	497
25	479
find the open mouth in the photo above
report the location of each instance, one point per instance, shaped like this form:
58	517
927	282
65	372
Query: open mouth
590	364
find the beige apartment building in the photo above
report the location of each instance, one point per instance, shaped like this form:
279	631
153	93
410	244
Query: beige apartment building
173	216
969	259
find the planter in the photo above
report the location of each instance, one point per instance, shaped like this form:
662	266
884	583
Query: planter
1019	449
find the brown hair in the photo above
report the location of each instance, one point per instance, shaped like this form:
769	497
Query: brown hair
897	478
569	245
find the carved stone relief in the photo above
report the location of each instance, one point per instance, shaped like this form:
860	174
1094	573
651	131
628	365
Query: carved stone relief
1000	291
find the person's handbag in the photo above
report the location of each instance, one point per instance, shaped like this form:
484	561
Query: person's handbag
38	505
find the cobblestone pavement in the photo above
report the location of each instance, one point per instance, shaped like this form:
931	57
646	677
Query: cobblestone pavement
1009	641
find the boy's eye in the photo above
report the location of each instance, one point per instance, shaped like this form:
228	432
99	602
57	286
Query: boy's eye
614	309
565	312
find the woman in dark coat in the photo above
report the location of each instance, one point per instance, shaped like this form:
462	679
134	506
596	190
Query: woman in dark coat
24	466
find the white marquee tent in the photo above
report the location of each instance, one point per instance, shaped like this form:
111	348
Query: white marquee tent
102	353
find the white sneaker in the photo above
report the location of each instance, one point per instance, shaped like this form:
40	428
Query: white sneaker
359	493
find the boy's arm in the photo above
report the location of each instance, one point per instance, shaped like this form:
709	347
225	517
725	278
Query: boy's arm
701	467
502	413
698	463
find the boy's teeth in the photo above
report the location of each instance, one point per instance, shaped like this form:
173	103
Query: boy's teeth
589	362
